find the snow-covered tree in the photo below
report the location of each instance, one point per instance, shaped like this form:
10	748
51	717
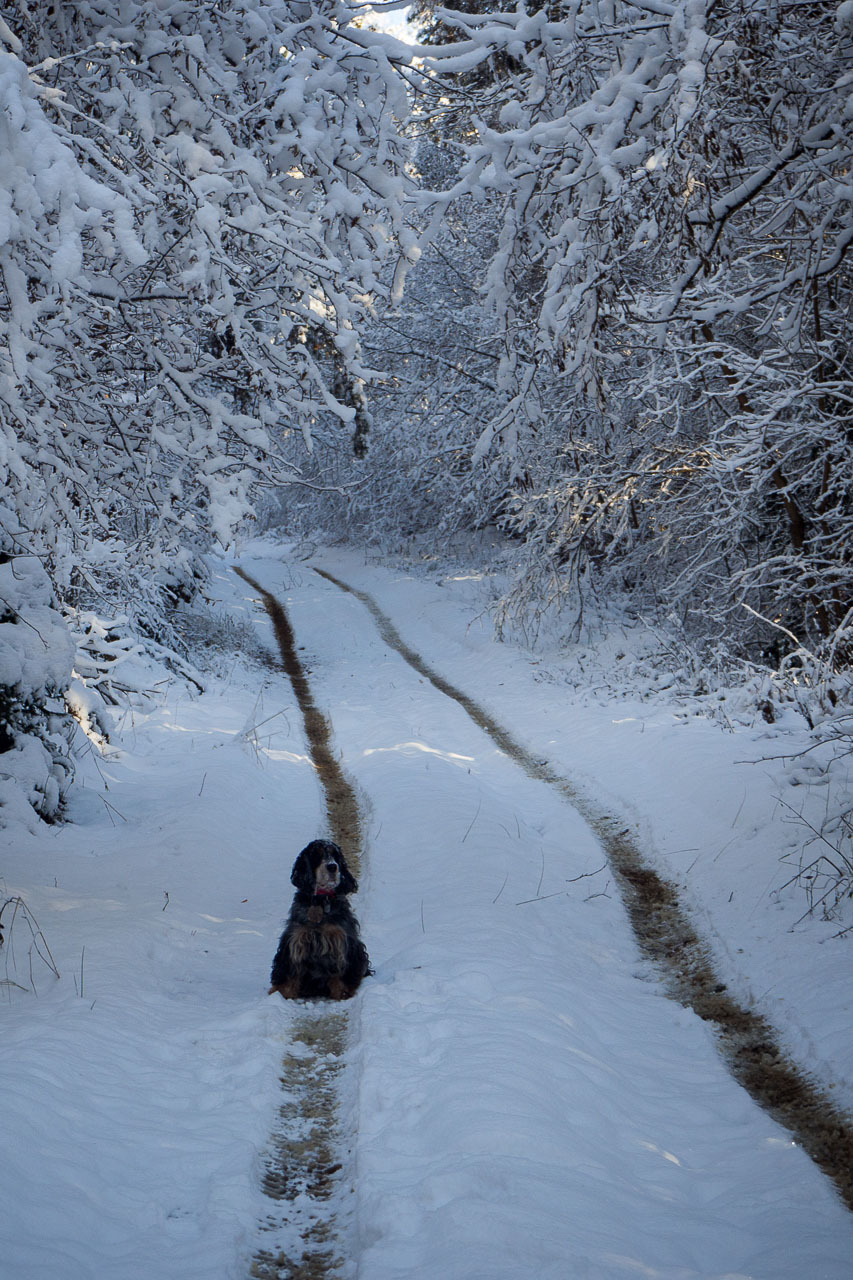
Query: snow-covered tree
36	656
669	293
196	207
197	204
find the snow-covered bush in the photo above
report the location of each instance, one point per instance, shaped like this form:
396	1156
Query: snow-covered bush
824	860
36	658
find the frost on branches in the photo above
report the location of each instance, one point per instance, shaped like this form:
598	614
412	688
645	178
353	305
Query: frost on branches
672	277
195	207
36	656
665	304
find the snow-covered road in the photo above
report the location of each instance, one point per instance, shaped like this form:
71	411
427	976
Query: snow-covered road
530	1104
520	1098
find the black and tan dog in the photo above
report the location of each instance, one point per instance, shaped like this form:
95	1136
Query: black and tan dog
320	952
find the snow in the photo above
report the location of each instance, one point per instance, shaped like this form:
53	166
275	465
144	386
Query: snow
844	17
36	650
41	176
523	1100
36	656
136	1107
704	786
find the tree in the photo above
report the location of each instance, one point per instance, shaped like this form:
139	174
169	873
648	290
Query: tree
201	200
196	204
669	291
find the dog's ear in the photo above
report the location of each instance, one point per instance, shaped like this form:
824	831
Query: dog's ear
302	875
348	884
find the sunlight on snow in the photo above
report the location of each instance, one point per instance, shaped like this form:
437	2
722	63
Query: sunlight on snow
410	747
392	19
289	757
659	1151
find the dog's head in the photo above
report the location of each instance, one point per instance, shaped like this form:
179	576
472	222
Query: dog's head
321	868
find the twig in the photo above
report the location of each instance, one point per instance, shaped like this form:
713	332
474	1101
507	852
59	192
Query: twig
10	982
833	888
587	874
778	626
473	820
115	810
255	727
39	942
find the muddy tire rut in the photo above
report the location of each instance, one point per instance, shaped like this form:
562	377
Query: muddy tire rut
342	808
667	937
304	1174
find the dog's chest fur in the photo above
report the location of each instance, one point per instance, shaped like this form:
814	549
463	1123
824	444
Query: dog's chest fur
317	938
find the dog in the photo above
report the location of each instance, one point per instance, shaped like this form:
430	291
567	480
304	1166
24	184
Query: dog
320	952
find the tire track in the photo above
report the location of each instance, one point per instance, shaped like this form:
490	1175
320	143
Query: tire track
665	934
342	809
303	1173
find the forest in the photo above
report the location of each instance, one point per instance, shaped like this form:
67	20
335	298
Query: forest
573	279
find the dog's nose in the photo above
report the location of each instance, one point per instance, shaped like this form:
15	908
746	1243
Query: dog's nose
331	866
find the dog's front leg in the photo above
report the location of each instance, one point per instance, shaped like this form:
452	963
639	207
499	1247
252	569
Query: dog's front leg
339	990
289	989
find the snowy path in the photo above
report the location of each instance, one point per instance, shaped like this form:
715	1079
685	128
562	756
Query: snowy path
522	1101
667	936
529	1103
305	1173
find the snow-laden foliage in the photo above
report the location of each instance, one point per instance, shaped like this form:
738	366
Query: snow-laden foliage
36	656
195	207
632	352
196	202
437	366
673	290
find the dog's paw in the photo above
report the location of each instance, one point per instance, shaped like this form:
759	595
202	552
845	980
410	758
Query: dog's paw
287	990
340	990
